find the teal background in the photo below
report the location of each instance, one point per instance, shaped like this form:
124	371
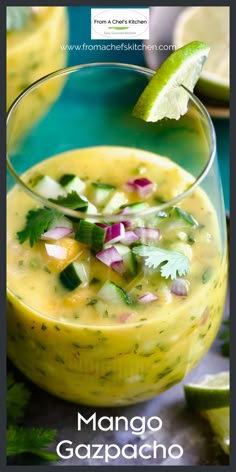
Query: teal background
79	21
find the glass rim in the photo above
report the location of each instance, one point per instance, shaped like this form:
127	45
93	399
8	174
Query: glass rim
112	217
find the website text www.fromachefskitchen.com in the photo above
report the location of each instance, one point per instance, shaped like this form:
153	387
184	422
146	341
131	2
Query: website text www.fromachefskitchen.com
140	428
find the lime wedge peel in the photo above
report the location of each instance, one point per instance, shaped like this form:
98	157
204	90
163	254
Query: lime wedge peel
211	25
219	420
210	396
212	391
164	97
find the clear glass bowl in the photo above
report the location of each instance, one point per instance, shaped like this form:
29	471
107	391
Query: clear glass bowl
80	345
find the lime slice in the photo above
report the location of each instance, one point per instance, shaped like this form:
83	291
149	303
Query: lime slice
164	97
211	25
212	391
219	422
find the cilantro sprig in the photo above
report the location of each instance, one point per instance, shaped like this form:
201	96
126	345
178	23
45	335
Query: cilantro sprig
18	397
37	222
20	439
72	200
172	263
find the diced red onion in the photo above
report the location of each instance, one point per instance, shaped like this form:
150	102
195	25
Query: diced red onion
129	238
127	223
125	317
56	233
59	252
124	210
147	297
180	287
143	186
115	233
118	266
102	225
109	256
147	233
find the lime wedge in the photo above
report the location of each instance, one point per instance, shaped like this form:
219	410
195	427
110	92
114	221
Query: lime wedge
211	25
212	391
220	424
164	97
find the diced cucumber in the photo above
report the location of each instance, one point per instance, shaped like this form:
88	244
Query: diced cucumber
61	222
73	275
93	210
186	217
137	206
48	187
90	234
112	293
101	192
72	182
128	257
115	202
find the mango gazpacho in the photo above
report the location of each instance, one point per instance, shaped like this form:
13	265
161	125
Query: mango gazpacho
35	39
106	312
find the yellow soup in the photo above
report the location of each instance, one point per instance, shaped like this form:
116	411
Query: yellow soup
117	333
33	52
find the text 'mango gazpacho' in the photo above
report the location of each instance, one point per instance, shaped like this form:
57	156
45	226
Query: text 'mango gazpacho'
109	313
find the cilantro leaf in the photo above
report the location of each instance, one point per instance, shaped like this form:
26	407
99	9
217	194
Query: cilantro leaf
33	440
72	200
17	399
20	439
172	262
225	337
37	222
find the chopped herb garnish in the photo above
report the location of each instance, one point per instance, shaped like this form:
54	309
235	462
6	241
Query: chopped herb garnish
103	186
206	275
37	222
59	359
172	263
139	287
191	239
94	281
34	264
43	327
91	301
105	314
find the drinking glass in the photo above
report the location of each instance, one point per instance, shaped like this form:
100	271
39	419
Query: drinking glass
32	53
116	361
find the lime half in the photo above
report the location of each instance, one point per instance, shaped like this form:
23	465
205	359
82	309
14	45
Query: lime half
164	97
211	25
220	424
212	391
